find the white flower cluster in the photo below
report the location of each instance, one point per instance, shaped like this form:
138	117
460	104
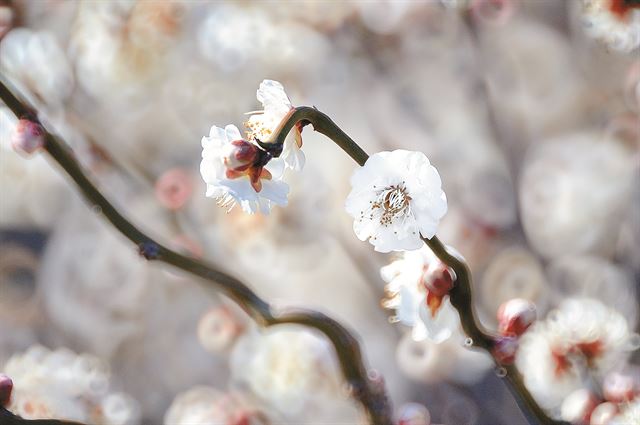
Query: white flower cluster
63	385
248	172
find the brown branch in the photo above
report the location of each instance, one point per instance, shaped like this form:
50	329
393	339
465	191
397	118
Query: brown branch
461	295
370	393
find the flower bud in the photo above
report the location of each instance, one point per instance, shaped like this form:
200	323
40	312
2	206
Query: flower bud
505	348
496	12
6	386
577	407
239	155
515	316
174	188
413	414
603	413
27	137
618	387
218	329
438	280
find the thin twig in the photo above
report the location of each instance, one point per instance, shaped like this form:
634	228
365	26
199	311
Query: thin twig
460	295
369	392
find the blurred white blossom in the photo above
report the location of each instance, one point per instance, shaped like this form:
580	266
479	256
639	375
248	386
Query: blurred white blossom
206	405
396	197
63	385
582	338
616	22
37	65
292	369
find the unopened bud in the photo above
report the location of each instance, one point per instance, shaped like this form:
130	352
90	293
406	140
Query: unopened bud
505	349
438	280
496	12
515	316
414	414
27	137
6	386
218	329
239	155
577	407
174	188
618	387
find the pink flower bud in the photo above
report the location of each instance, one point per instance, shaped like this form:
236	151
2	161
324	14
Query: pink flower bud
6	386
515	316
577	407
505	349
174	188
414	414
618	387
496	12
27	137
218	329
239	155
603	413
438	280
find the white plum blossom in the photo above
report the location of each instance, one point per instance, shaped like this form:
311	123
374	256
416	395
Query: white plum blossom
616	22
583	337
629	414
236	170
261	125
396	198
417	303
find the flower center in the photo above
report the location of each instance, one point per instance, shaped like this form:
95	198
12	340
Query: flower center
393	202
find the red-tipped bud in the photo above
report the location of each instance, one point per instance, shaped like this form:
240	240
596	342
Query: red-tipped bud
438	280
618	387
515	316
174	188
577	407
495	12
239	155
27	137
603	413
414	414
6	386
505	349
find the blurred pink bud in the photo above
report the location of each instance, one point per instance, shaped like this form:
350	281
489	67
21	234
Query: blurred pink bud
496	12
618	387
515	316
186	244
505	348
27	137
632	86
218	329
6	386
413	414
438	280
603	413
577	407
174	188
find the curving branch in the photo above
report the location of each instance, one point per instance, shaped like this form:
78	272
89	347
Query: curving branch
460	295
370	393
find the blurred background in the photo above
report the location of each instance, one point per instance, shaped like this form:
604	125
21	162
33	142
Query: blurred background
528	108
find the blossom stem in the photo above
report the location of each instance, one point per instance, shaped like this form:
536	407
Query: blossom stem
370	393
460	295
8	418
